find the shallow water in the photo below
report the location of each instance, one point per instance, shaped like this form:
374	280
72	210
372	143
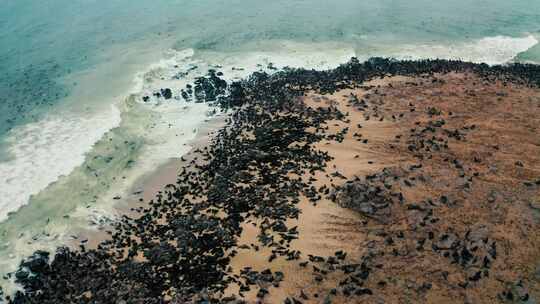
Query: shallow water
74	131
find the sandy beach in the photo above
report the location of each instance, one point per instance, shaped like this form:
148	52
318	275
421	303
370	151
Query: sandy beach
325	227
399	188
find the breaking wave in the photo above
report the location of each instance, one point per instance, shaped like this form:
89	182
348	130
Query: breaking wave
490	50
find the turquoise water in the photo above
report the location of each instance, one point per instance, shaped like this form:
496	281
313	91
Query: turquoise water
44	40
74	132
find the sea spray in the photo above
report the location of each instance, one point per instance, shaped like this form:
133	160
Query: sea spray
45	150
490	50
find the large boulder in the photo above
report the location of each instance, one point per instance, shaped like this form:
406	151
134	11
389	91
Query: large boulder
38	262
166	93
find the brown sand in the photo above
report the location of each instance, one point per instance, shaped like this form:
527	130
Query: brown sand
506	119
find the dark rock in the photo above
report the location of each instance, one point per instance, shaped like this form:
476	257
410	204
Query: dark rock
371	201
166	93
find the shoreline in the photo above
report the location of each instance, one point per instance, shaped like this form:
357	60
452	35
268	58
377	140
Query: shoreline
149	185
155	181
150	81
359	183
492	42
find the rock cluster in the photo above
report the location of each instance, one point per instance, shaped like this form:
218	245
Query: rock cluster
368	199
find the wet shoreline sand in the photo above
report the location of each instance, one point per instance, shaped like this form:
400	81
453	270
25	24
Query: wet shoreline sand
147	187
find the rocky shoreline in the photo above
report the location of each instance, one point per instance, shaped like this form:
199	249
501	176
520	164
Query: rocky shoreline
436	164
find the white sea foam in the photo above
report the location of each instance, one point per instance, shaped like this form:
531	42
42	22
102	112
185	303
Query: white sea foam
490	50
45	150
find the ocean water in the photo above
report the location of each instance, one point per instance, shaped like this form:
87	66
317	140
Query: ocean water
75	132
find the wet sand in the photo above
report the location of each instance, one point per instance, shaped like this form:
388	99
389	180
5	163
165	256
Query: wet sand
168	173
149	186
